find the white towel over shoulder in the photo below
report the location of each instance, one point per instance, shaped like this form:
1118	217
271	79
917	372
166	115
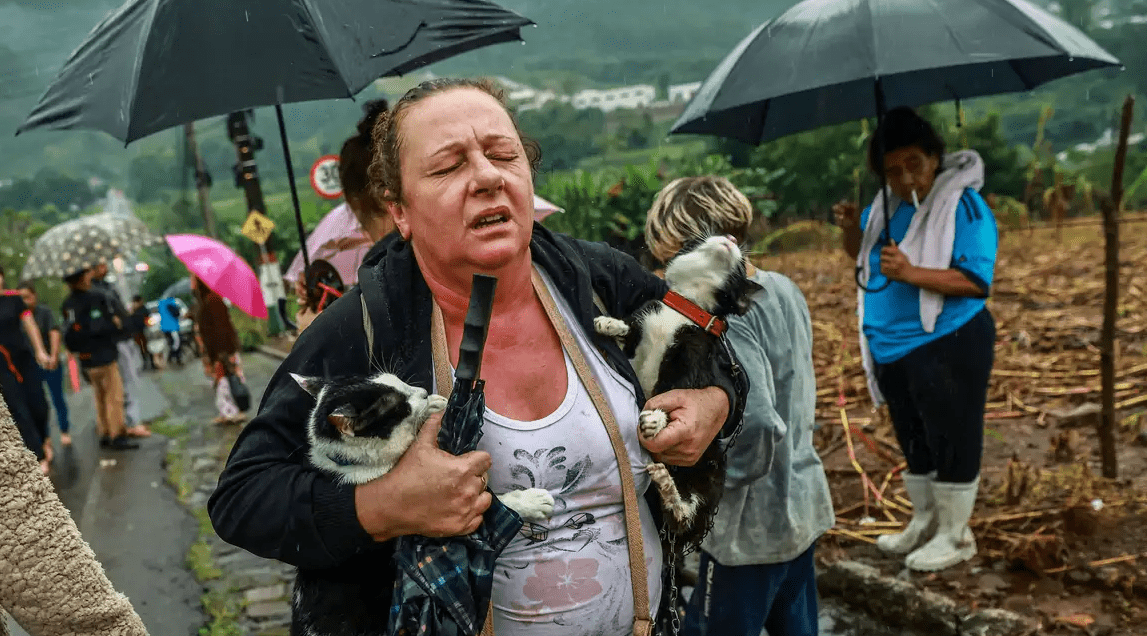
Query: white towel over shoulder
928	242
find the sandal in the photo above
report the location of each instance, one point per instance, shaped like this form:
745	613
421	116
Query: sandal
139	430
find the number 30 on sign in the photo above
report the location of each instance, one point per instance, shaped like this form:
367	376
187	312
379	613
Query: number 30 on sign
325	177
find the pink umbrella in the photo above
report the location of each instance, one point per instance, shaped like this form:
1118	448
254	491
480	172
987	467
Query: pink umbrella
543	208
221	269
340	240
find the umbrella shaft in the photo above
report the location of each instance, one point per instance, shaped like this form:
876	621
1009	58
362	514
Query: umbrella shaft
294	192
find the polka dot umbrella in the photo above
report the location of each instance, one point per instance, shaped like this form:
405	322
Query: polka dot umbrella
85	242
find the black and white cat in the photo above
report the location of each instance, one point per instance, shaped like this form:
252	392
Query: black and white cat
359	428
669	350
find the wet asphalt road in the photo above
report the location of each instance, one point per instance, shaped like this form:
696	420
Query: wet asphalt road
125	509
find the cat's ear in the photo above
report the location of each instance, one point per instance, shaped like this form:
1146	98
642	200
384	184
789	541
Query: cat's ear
745	299
343	424
310	385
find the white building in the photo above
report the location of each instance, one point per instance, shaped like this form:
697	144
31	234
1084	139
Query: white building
682	93
635	96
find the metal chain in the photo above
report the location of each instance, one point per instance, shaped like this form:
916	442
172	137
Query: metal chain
675	622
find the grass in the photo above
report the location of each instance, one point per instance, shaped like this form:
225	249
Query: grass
673	151
223	610
222	604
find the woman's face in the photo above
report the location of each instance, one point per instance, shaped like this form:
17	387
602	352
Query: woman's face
467	190
910	169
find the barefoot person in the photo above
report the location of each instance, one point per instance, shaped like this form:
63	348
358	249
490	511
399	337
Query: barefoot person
456	176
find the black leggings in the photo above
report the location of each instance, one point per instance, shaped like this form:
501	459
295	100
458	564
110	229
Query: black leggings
24	394
936	396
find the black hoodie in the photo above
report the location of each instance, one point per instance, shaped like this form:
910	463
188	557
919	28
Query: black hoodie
272	502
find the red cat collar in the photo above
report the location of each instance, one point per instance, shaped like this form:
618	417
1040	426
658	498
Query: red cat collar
687	308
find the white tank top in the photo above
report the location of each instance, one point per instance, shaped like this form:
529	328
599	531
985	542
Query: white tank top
570	575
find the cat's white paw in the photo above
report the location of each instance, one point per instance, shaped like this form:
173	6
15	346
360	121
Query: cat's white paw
607	326
650	423
435	403
531	504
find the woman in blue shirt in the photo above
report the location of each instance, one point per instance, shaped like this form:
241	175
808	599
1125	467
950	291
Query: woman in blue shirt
926	333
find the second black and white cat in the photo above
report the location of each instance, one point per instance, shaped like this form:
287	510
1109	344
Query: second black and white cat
359	428
668	350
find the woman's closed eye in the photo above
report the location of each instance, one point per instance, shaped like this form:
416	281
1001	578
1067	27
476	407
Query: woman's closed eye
446	170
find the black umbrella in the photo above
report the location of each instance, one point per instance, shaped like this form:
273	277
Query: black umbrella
154	64
443	586
829	61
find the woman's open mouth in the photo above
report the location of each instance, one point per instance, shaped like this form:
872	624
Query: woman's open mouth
491	220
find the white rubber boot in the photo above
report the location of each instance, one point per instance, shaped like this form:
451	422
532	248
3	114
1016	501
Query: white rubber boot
953	542
923	522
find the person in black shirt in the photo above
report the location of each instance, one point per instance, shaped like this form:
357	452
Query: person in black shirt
19	340
129	365
92	329
53	374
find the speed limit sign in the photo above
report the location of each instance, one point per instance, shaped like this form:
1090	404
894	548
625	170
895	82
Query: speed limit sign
325	177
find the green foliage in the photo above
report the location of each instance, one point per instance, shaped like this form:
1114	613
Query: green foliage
252	332
1003	171
48	187
609	205
566	135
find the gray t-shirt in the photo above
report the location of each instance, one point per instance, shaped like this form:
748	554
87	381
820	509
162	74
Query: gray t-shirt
776	501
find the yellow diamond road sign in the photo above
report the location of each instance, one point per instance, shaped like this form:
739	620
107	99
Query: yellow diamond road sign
258	227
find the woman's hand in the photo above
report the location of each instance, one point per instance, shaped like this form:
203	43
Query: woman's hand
429	492
894	264
848	220
847	214
695	418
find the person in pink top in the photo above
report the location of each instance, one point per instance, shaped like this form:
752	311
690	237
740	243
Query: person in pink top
354	161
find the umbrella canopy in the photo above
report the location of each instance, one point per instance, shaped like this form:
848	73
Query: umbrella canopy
829	61
338	239
221	269
154	64
84	243
543	208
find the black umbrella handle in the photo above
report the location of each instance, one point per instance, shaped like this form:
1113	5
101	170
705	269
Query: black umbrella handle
475	327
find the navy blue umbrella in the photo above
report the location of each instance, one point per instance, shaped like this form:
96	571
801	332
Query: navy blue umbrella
154	64
826	62
443	587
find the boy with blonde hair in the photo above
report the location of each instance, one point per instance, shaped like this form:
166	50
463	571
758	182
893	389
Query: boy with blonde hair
757	569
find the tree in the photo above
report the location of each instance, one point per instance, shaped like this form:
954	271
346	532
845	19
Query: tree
565	133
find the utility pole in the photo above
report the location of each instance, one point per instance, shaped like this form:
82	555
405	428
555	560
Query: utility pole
247	179
202	181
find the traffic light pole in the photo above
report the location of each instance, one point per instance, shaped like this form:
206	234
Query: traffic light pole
202	181
247	178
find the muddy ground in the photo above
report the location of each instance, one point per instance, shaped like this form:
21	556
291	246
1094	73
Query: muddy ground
1057	542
